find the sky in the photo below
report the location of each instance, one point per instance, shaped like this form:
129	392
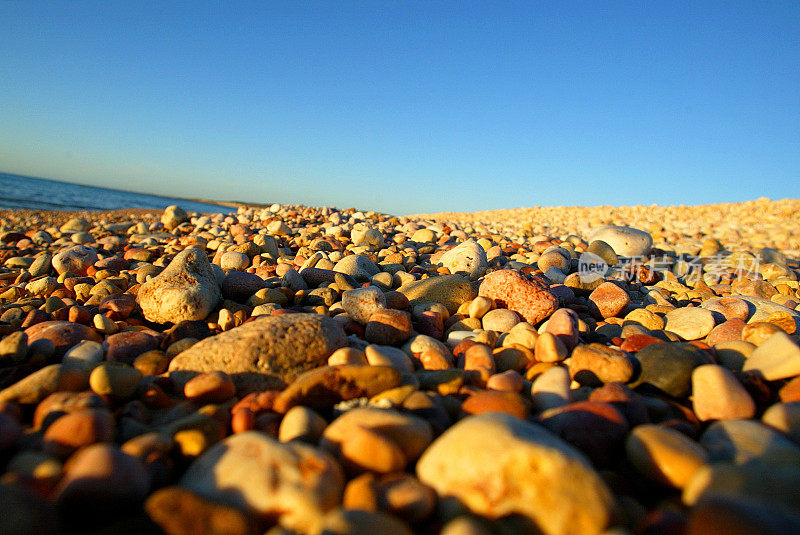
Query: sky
407	107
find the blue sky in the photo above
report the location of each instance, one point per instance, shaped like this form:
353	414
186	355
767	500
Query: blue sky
407	107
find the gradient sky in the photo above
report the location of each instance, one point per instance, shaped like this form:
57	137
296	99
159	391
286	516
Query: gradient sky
407	107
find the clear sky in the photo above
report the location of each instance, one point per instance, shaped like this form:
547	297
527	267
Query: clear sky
407	107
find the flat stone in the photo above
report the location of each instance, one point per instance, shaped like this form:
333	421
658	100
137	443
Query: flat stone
625	241
690	323
267	353
449	290
510	289
294	483
361	303
776	358
187	289
467	257
496	465
718	395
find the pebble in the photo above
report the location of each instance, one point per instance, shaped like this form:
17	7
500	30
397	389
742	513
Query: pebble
303	424
718	395
496	465
468	258
548	348
625	241
595	364
563	324
323	387
510	289
115	379
729	307
742	441
393	357
101	480
500	320
180	512
449	290
690	323
667	367
76	430
608	300
388	327
776	358
359	267
63	334
361	303
551	390
267	353
187	289
356	522
293	482
41	383
664	455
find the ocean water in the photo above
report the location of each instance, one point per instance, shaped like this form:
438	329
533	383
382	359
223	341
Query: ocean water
21	192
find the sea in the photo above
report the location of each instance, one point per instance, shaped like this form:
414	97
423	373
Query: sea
23	192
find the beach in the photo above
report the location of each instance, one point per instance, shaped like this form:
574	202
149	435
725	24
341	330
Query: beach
305	370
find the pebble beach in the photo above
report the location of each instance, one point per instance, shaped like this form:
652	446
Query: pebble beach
304	370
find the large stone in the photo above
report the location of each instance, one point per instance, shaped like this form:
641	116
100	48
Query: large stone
510	289
467	257
449	290
263	354
625	241
496	464
187	289
293	482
